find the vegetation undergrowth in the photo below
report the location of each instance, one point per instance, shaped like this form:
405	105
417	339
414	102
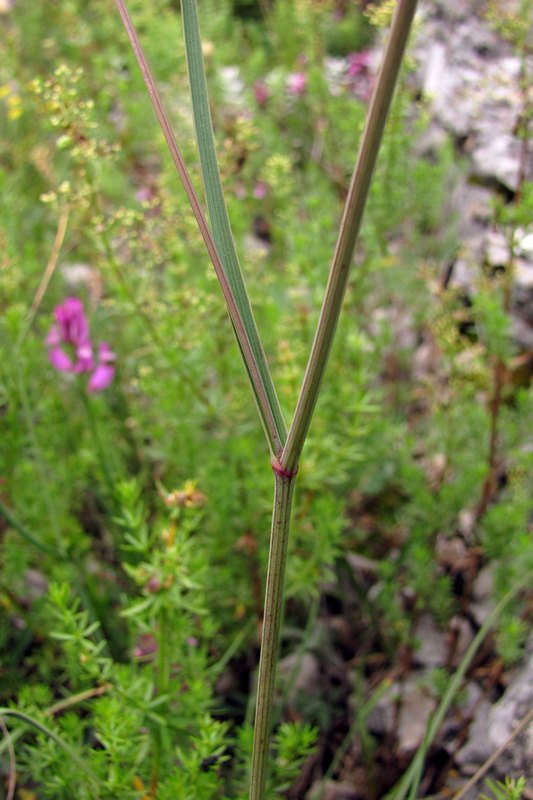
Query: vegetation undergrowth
135	484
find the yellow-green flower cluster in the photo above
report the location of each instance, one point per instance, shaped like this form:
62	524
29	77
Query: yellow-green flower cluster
12	100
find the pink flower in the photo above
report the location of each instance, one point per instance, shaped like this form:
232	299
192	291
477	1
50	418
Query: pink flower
71	349
297	83
105	369
357	63
146	646
69	338
260	190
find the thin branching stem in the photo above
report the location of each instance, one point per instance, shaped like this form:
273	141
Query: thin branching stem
349	230
286	451
287	465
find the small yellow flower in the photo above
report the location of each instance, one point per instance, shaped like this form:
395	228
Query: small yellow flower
14	113
187	497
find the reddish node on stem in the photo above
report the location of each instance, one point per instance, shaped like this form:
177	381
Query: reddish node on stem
279	469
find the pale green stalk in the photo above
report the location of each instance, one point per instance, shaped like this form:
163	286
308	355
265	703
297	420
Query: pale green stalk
349	230
288	463
220	224
162	684
277	559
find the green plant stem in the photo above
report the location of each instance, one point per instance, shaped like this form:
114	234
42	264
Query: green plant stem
283	494
484	768
170	354
41	468
44	547
256	372
12	771
47	276
411	779
286	468
162	684
58	708
13	712
267	400
349	231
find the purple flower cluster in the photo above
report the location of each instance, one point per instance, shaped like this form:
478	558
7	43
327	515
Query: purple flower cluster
71	349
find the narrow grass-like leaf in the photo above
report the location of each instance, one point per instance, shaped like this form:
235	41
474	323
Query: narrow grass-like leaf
218	214
257	370
71	753
411	779
25	533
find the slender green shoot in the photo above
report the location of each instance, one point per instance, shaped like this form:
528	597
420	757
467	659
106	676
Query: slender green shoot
273	611
410	782
349	230
216	204
21	529
71	753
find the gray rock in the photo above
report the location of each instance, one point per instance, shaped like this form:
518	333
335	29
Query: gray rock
477	748
483	586
471	77
462	635
433	643
415	708
497	250
332	790
493	725
497	156
299	675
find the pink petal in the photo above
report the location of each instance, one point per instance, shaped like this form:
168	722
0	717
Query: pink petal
54	336
105	354
101	378
84	356
260	190
297	83
261	93
60	360
72	321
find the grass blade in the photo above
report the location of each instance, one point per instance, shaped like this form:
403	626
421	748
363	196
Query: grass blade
251	350
218	214
72	754
411	779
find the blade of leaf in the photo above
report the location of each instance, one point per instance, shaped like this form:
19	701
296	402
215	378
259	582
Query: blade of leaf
70	751
270	414
216	205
